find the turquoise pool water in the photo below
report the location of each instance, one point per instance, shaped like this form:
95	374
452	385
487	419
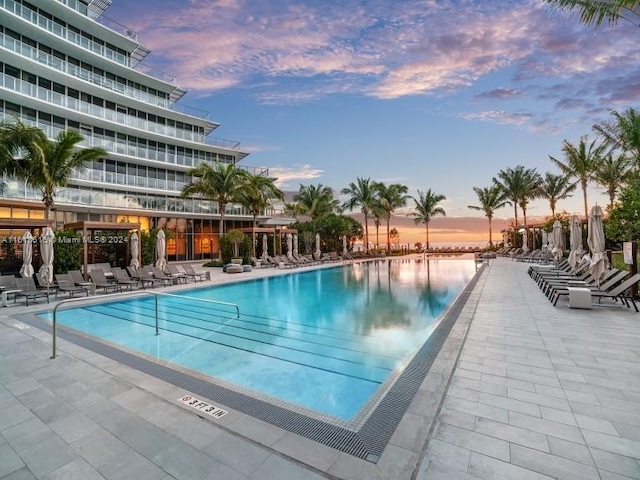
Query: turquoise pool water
324	340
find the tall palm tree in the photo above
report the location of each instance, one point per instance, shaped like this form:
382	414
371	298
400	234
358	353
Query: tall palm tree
257	194
378	213
426	206
361	194
490	199
599	12
391	198
51	163
556	187
221	183
316	201
15	140
580	163
622	133
612	173
530	191
518	184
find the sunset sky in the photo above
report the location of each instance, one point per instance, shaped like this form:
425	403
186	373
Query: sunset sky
431	94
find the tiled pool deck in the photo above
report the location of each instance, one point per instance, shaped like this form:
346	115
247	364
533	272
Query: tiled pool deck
537	392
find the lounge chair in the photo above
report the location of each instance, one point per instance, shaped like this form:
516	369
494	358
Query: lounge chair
67	285
160	275
191	273
618	292
174	272
8	286
144	275
97	275
609	284
27	289
124	279
78	280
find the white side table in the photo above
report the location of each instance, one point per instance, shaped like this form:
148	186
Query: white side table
579	297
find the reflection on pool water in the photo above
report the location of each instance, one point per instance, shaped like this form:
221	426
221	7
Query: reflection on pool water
324	340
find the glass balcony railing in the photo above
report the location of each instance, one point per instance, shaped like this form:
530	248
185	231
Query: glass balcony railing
63	32
124	179
121	118
163	158
25	50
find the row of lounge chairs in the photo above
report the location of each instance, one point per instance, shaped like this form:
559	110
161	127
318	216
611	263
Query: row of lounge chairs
293	260
613	284
112	280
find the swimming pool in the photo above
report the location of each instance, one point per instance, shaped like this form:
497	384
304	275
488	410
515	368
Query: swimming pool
327	342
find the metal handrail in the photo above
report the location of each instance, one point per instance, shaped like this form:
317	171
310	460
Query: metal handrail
126	294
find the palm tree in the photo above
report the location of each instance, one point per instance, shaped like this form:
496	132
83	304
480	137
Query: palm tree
51	163
598	12
580	163
530	191
622	133
361	194
518	184
426	206
257	194
556	187
391	198
221	183
491	199
378	213
15	139
611	173
315	201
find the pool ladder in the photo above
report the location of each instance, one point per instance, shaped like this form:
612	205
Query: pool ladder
54	331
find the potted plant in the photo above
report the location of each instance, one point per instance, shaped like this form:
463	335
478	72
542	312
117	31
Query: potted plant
235	237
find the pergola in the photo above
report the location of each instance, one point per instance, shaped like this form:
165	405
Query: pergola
88	230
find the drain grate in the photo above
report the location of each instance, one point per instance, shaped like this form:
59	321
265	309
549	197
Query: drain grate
367	443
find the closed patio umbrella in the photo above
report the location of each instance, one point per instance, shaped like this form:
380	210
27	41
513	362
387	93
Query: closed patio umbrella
289	243
545	239
575	239
525	241
161	246
317	253
135	250
46	252
265	247
27	255
344	245
557	241
295	244
595	240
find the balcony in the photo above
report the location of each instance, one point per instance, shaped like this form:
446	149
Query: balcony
121	118
65	33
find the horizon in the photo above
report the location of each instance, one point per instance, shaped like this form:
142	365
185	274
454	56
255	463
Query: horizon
438	95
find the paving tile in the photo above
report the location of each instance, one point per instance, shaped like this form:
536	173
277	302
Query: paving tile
510	404
615	463
277	467
582	397
609	443
479	386
512	434
47	456
596	424
477	409
237	453
308	451
552	465
487	467
546	427
474	441
448	454
77	469
9	460
508	382
457	418
463	393
539	399
22	474
100	448
13	415
73	427
182	461
437	471
570	450
132	466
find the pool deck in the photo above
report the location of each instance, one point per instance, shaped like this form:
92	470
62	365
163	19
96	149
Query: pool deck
537	392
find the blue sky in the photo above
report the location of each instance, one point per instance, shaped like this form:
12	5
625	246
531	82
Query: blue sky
431	94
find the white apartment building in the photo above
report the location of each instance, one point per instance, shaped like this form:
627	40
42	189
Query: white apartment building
63	65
